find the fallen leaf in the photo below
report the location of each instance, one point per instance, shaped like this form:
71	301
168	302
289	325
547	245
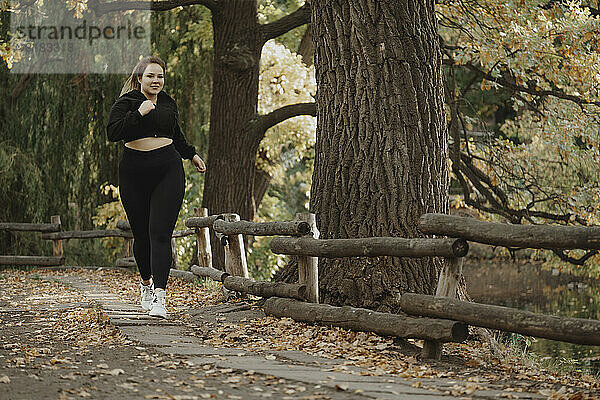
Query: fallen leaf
116	371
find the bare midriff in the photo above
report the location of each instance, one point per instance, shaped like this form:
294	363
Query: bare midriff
149	143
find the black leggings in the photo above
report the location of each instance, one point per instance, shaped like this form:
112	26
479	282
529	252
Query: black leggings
151	186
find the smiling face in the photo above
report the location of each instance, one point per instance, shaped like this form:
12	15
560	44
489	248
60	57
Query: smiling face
153	80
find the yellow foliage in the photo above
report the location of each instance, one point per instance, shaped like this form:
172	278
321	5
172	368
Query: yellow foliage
285	79
106	217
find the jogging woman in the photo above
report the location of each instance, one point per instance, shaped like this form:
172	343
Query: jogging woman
151	176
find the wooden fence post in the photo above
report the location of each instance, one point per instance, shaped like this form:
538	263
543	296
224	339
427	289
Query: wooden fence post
308	271
127	243
204	251
128	248
235	254
173	253
447	287
57	245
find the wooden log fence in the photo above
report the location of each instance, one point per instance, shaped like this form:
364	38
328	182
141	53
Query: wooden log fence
361	319
203	246
201	222
230	229
57	257
57	244
52	231
27	227
235	253
370	247
209	272
32	260
185	275
572	330
95	234
447	287
450	315
234	227
508	235
249	286
444	304
451	249
128	262
308	271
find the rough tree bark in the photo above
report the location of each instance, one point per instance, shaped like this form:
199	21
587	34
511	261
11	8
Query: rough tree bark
381	149
235	127
229	181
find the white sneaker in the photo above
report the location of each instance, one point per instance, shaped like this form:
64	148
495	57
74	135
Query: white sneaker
157	307
146	295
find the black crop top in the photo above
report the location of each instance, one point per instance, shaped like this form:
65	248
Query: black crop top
126	123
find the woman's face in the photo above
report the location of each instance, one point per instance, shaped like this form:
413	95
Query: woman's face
153	79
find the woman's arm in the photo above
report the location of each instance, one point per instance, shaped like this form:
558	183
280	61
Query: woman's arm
186	150
121	120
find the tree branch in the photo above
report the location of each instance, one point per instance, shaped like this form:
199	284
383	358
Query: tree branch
577	261
100	7
264	122
519	88
285	24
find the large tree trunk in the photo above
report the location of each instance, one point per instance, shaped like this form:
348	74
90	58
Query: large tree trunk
381	150
229	182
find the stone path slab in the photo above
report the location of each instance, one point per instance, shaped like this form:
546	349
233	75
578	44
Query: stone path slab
169	337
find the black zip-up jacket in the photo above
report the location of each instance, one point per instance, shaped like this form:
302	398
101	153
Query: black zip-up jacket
126	123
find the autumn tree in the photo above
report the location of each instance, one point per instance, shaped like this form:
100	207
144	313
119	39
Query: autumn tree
523	90
381	150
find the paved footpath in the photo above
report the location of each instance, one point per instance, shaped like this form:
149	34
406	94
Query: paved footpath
171	338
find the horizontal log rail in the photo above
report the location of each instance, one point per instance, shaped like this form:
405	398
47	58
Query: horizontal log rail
572	330
185	275
520	236
32	260
288	228
361	319
128	262
257	288
183	233
202	222
27	227
370	247
209	272
87	234
104	234
125	226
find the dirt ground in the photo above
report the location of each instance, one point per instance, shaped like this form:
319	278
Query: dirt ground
56	344
73	353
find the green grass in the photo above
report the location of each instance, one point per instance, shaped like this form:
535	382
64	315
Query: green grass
519	346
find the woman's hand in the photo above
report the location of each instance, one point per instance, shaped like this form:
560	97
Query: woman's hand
146	107
197	161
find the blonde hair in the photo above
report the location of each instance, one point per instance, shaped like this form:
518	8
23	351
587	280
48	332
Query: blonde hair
132	82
